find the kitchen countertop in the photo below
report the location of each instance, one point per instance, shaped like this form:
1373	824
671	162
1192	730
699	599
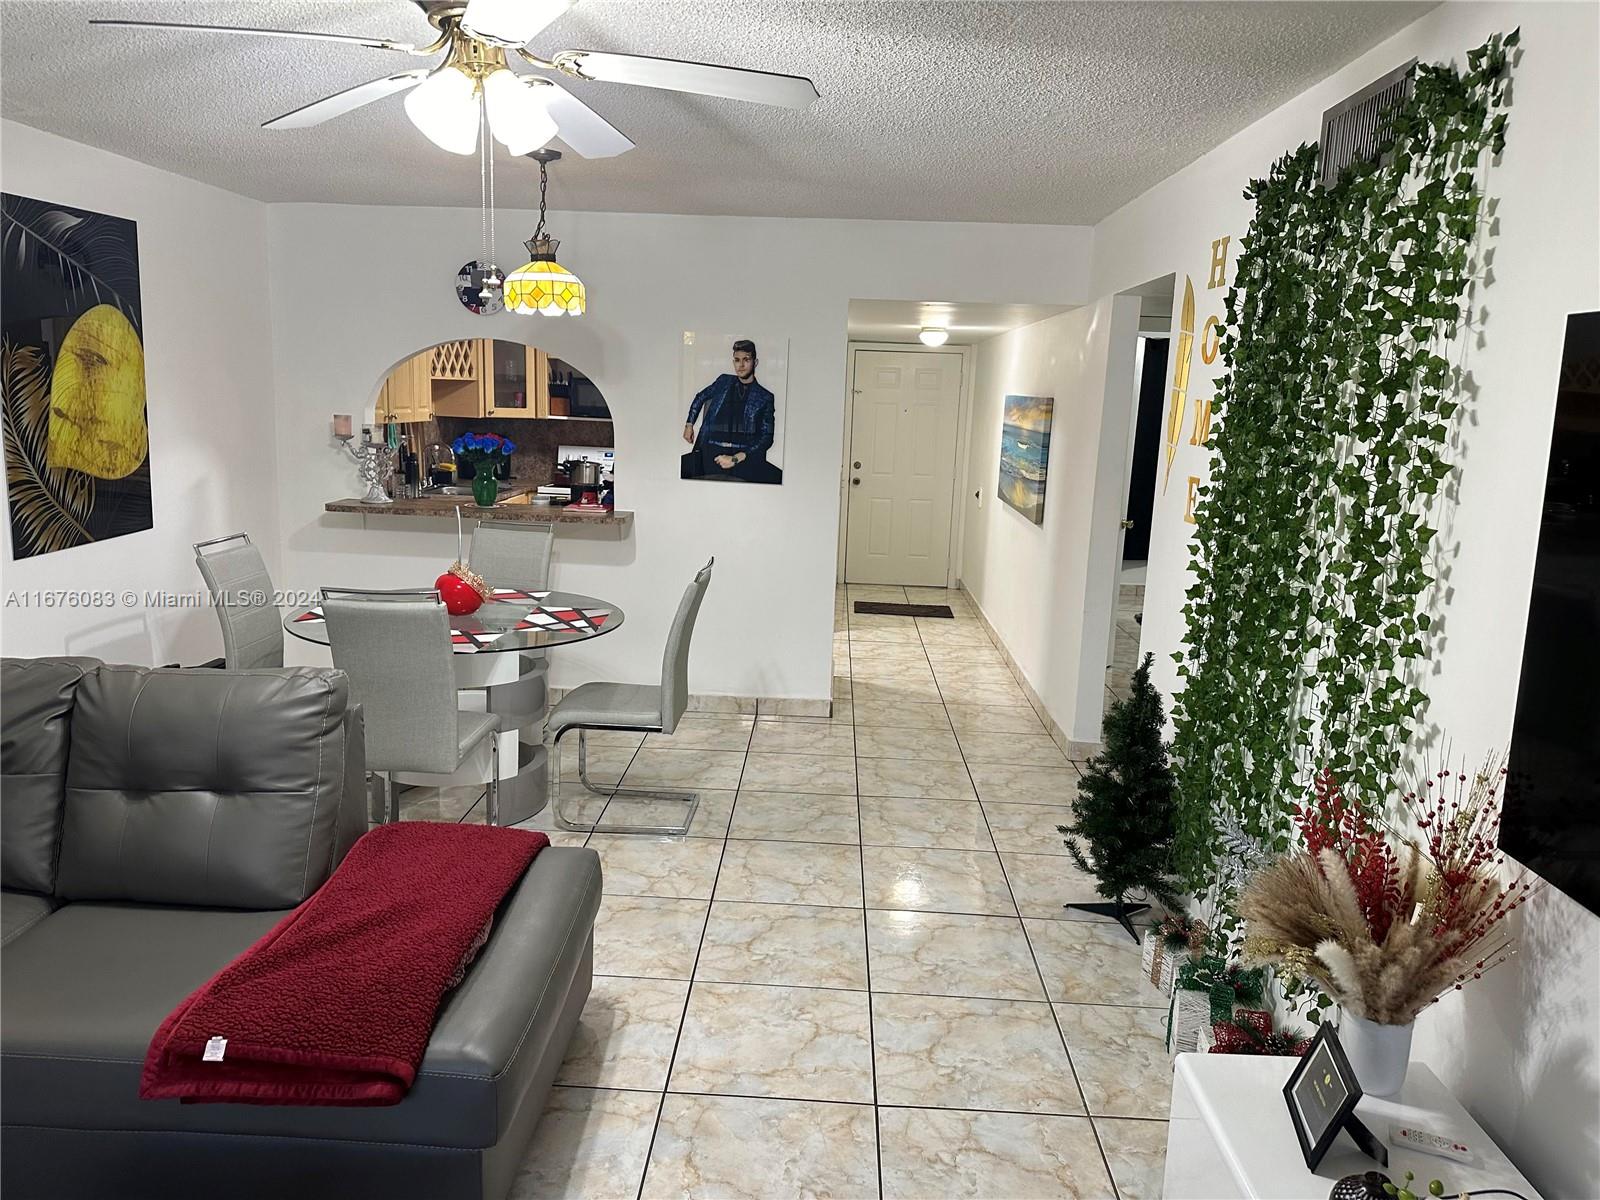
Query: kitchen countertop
513	505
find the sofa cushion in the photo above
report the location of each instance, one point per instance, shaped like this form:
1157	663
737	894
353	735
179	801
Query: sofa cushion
36	699
214	788
85	992
20	912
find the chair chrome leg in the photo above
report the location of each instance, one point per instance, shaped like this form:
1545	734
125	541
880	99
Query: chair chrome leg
391	798
583	767
493	792
692	799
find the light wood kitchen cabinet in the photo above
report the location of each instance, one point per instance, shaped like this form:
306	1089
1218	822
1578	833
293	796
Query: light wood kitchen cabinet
518	383
406	395
456	372
475	377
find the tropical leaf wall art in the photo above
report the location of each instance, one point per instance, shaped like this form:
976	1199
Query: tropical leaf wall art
50	506
72	385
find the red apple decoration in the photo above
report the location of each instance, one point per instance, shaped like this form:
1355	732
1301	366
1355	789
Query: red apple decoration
461	590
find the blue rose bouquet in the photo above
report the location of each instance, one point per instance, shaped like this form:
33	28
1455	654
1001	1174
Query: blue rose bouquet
483	452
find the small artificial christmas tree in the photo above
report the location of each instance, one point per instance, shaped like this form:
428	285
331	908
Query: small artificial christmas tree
1124	812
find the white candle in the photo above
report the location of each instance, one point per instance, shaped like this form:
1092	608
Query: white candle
342	427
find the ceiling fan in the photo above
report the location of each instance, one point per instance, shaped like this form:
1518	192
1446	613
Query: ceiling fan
523	111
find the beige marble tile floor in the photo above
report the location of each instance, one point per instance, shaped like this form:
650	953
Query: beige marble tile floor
856	978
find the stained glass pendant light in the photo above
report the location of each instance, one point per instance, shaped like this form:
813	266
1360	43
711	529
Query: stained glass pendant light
542	285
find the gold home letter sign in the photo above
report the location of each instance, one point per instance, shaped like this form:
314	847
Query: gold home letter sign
1202	422
1219	263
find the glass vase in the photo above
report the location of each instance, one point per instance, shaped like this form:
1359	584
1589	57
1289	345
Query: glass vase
485	487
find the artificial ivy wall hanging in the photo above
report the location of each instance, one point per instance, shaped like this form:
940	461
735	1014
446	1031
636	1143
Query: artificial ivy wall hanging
1314	553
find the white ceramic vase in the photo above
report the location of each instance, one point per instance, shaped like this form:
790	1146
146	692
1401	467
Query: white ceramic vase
1378	1054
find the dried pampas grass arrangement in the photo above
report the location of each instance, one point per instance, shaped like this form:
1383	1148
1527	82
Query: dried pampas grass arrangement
1385	926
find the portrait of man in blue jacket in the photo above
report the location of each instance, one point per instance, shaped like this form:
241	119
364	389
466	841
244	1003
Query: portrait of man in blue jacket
736	416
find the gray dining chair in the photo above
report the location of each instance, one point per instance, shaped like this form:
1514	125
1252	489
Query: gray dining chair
513	554
242	593
640	707
395	648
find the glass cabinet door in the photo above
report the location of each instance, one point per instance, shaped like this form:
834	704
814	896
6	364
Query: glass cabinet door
519	384
509	395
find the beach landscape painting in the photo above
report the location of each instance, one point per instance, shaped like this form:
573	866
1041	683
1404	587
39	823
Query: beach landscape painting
1025	453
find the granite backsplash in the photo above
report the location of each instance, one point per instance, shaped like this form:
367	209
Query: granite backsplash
537	442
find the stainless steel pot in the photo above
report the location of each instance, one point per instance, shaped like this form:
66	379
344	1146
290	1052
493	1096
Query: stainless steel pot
582	473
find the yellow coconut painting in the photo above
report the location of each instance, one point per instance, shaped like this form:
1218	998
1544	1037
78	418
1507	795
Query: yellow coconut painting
72	379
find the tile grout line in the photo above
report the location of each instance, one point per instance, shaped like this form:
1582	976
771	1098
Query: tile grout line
866	937
688	992
1044	987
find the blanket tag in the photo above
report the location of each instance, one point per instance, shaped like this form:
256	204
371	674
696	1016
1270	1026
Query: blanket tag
215	1048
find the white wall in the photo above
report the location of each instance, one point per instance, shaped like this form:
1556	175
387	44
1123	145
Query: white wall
1522	1047
356	289
1048	589
208	382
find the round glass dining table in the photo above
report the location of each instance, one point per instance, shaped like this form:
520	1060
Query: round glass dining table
500	667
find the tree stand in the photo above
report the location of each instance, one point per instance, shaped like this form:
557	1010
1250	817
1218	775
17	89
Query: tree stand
1118	911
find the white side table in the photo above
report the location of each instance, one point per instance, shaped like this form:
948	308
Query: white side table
1230	1136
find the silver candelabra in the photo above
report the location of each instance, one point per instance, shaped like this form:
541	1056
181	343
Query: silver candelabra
376	461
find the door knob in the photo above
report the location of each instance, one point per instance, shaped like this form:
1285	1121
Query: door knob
855	483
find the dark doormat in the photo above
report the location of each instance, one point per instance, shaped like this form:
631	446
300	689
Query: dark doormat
880	609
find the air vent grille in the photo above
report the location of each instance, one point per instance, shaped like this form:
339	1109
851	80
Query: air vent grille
1357	128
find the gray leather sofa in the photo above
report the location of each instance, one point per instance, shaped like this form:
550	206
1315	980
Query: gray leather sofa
155	823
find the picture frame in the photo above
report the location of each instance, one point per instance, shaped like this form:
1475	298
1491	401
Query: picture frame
1322	1094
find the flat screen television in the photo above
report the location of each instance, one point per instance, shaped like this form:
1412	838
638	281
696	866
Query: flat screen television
1551	818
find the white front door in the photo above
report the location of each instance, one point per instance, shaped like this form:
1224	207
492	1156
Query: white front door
902	466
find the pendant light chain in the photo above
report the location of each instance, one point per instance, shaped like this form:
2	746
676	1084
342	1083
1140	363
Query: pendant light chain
544	184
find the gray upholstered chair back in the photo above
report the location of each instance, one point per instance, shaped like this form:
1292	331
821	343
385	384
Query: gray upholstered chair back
675	661
513	555
395	647
241	592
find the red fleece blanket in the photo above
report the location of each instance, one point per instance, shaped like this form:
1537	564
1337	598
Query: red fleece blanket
336	1004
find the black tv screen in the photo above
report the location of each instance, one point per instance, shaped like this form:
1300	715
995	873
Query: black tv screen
1551	819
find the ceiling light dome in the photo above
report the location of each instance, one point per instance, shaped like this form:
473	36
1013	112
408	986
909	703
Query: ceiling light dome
932	335
518	117
444	106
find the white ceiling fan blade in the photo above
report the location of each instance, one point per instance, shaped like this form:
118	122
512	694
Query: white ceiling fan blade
585	131
511	22
352	39
703	79
348	100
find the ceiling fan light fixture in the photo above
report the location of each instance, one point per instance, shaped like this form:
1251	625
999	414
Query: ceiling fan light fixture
518	117
511	22
932	335
444	106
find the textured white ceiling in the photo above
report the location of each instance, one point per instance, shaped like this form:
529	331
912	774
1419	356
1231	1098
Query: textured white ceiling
902	320
1020	112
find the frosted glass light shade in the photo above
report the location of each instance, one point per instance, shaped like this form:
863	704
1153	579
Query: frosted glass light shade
931	336
518	117
445	107
511	22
